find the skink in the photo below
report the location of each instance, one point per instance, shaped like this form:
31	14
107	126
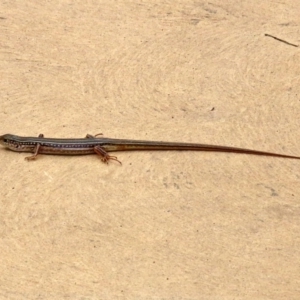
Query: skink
101	146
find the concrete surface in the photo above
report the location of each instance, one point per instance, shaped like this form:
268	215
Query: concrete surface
165	225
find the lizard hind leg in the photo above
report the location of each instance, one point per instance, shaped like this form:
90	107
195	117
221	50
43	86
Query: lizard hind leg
90	136
105	157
